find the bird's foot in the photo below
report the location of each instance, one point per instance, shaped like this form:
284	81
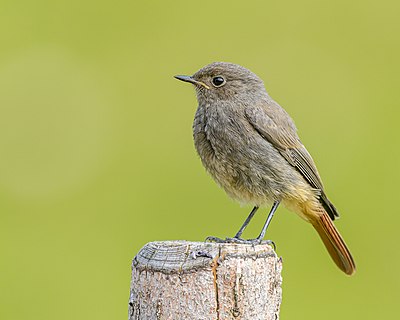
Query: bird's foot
252	242
215	239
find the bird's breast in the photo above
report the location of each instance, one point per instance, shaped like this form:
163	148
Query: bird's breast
237	157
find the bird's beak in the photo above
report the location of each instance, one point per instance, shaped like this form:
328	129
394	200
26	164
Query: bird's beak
191	80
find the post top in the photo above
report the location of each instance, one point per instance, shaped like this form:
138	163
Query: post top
186	256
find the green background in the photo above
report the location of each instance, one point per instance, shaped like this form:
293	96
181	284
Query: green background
97	158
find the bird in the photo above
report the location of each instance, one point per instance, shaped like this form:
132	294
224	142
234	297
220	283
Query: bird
249	144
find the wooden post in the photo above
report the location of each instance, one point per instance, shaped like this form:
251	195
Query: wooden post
179	280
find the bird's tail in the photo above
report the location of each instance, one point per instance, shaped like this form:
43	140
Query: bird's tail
334	243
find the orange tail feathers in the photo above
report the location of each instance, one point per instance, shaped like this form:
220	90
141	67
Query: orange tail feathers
334	243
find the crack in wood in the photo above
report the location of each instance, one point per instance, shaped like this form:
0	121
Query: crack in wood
214	267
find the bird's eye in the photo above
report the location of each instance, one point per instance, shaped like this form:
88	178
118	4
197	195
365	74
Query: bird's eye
218	81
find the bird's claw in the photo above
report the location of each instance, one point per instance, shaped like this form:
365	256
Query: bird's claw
215	239
252	242
270	243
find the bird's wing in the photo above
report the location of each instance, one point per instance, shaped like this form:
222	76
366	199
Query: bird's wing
276	126
278	129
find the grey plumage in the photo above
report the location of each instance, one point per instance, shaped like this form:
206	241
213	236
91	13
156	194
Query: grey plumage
250	146
245	149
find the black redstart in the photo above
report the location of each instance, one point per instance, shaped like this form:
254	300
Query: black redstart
250	146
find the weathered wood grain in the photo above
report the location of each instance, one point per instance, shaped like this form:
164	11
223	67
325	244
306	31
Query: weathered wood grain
199	280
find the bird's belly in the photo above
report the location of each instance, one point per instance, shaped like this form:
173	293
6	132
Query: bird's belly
246	183
251	172
243	163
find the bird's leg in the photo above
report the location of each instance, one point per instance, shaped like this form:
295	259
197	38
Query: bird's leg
259	239
236	238
251	215
268	221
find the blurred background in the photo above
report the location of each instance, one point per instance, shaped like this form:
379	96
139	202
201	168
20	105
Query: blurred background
97	158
